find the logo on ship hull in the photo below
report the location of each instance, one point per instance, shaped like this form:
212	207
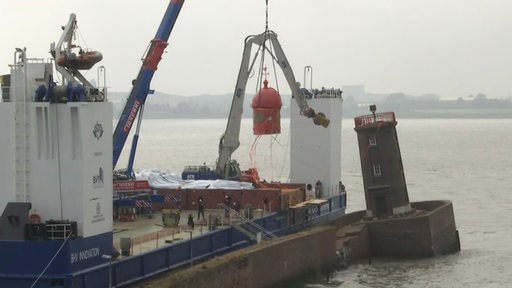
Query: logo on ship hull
97	131
99	217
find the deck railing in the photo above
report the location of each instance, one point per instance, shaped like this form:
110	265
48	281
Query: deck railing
371	119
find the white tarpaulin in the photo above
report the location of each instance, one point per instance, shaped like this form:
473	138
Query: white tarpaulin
161	179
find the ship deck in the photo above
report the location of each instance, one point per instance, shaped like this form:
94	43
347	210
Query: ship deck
148	231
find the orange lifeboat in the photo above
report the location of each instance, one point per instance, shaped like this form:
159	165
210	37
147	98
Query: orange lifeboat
266	111
82	61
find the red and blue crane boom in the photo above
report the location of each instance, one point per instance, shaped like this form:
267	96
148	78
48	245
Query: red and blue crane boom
140	90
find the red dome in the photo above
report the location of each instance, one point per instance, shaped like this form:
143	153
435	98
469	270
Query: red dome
266	111
267	97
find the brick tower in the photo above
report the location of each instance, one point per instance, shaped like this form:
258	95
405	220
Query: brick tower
381	165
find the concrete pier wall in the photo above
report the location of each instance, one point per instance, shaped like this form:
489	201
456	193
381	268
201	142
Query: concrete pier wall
312	252
430	233
445	237
269	263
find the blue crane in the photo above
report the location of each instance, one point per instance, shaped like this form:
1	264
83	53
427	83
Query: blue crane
140	90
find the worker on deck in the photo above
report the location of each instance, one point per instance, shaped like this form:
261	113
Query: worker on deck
190	221
200	207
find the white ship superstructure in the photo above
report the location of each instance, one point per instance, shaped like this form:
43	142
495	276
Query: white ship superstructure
315	152
57	154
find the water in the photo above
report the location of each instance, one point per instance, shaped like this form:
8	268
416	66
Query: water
464	160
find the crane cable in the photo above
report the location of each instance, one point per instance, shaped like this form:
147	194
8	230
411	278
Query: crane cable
266	15
262	68
273	138
271	47
262	75
259	78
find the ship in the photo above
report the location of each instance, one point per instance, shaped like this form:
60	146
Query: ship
61	194
57	212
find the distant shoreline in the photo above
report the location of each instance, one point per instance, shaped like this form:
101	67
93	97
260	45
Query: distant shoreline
165	106
400	114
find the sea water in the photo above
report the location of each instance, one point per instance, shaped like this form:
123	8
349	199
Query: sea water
466	161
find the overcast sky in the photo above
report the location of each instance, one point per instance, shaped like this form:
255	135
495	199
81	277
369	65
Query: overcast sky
452	48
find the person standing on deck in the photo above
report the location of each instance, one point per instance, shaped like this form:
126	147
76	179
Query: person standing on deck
227	201
237	206
200	207
190	221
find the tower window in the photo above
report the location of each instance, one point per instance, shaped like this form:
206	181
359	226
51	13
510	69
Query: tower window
376	170
372	140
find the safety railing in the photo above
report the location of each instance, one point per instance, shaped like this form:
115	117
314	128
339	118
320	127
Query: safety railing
371	119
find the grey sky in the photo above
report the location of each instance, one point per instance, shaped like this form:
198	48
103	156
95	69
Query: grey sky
452	48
